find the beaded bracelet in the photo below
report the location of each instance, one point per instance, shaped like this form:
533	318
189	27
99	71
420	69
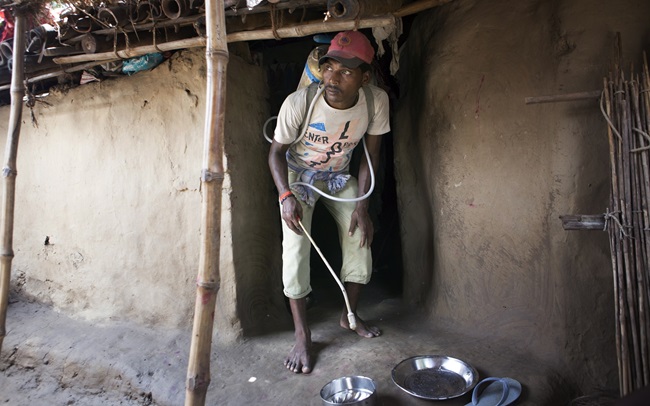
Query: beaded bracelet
284	196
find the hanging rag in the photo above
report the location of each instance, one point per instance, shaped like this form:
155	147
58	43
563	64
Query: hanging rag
392	34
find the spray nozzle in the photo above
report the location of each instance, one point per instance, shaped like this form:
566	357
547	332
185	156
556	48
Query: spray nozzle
352	321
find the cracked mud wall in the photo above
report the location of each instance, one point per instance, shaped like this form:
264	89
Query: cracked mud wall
111	178
482	177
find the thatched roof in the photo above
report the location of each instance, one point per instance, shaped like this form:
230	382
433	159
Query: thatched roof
68	37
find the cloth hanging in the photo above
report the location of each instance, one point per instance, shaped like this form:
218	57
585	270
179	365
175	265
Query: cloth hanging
392	34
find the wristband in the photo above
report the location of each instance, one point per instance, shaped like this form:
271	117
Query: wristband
284	196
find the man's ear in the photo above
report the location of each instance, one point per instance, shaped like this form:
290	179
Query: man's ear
365	78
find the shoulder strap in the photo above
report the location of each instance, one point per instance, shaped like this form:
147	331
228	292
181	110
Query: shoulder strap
312	90
370	102
311	93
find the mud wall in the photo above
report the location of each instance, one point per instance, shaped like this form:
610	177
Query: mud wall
482	178
109	174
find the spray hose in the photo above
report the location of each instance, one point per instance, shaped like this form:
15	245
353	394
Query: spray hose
351	319
320	192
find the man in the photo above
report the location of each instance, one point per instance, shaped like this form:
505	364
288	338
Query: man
321	157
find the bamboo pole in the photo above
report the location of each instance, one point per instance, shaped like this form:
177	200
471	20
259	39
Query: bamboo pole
9	169
208	280
132	52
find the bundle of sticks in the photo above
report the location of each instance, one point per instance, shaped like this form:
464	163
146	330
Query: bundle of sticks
625	104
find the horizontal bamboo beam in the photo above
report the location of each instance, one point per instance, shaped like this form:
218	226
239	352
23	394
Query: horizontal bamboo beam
133	52
583	222
284	32
311	28
59	72
563	97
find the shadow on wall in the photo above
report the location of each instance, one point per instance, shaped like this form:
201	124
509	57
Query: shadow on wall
413	194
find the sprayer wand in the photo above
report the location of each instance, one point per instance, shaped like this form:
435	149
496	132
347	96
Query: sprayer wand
351	319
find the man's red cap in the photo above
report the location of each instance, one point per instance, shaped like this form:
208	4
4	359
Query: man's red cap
351	48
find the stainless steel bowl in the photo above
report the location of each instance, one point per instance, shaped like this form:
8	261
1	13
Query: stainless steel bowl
434	377
349	390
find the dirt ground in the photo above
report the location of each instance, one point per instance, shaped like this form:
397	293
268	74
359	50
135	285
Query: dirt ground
50	359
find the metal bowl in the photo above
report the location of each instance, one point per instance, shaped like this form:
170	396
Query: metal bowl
434	377
349	390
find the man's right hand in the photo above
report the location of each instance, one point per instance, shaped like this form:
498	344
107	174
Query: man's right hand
291	208
292	213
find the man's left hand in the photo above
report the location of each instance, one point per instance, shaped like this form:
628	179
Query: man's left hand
361	219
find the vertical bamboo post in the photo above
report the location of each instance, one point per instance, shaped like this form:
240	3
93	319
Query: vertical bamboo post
207	284
9	169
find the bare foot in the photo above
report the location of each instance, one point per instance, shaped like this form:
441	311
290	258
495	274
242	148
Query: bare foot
363	329
299	358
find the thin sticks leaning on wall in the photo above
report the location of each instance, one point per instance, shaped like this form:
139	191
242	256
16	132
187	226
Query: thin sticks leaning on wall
626	106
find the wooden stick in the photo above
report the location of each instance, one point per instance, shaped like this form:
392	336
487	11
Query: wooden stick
583	222
60	72
178	22
207	285
563	97
132	52
645	123
613	242
623	246
9	169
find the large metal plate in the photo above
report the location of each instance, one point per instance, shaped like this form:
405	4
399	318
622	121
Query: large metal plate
434	377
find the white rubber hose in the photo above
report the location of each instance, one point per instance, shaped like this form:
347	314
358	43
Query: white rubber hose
351	319
319	92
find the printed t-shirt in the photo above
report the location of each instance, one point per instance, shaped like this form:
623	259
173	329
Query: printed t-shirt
332	134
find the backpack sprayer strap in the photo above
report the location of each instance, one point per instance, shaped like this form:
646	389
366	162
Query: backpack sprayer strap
314	91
